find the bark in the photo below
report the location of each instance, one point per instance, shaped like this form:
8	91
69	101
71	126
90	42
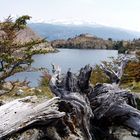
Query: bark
83	112
109	104
22	113
71	88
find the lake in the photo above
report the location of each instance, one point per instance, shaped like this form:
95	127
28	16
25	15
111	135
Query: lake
65	58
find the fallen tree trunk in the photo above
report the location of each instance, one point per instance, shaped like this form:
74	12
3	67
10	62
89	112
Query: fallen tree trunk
23	113
115	108
84	112
109	104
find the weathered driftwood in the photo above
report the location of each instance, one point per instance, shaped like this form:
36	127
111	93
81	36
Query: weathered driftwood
115	108
115	76
22	113
109	104
84	112
72	90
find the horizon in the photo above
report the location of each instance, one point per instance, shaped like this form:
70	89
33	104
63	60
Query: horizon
111	13
78	24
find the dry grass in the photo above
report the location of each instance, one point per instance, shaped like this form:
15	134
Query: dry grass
133	86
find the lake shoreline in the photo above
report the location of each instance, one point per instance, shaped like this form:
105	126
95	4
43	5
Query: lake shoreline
65	58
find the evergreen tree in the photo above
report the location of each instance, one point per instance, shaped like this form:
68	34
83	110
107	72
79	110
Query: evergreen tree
14	56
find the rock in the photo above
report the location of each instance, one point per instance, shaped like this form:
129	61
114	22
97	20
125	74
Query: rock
28	34
7	85
19	92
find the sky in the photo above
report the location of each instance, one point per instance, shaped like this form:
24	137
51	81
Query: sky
114	13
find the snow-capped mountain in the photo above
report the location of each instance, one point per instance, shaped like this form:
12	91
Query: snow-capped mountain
63	29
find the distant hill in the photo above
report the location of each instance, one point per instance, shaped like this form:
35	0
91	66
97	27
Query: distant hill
53	32
27	34
24	35
83	41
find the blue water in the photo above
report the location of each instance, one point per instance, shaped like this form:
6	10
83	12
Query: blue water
65	58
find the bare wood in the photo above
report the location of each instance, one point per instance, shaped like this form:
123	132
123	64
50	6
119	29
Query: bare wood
22	113
70	88
82	109
115	76
109	104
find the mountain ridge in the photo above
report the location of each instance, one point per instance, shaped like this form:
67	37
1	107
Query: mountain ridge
61	31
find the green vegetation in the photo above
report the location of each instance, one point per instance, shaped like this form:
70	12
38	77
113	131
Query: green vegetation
14	56
44	84
132	72
98	76
21	89
130	78
120	47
